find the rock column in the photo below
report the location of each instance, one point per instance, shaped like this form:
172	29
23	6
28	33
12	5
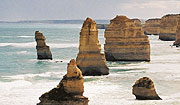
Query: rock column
90	60
43	51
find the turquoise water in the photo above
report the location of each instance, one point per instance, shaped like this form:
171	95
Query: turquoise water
23	78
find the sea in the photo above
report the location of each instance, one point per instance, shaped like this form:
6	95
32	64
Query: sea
23	78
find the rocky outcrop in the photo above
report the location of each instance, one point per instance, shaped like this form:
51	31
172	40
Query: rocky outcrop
90	60
137	22
101	26
43	51
125	41
168	27
69	91
144	89
152	26
177	42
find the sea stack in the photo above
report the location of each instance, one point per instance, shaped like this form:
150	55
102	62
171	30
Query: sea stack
168	27
137	22
43	51
69	91
177	42
144	89
90	60
152	26
125	41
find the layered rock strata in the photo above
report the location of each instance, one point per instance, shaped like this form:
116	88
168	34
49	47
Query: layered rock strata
177	42
152	26
90	60
125	41
43	51
144	89
69	91
137	22
168	27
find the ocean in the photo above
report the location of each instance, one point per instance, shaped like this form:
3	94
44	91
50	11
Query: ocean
23	78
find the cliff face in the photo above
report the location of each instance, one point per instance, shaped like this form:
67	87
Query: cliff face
144	89
125	41
43	51
69	91
90	60
152	26
177	42
168	27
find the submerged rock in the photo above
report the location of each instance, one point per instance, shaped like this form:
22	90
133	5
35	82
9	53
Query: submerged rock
101	26
168	27
69	91
43	51
144	89
177	42
152	26
90	60
125	41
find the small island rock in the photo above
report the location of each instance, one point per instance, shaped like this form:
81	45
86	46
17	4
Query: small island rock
43	51
144	89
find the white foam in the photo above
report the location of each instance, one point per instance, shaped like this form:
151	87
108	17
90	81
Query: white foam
22	52
25	36
33	44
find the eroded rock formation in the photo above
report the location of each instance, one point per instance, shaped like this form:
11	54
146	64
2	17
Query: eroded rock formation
125	41
177	42
152	26
69	91
43	51
144	89
90	60
137	22
168	27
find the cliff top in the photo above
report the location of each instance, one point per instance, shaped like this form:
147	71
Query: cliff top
121	18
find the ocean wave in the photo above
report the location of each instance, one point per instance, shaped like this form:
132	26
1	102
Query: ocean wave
35	77
33	45
25	36
22	52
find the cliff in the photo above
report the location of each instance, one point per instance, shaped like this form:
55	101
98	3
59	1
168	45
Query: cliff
168	27
69	91
144	89
125	41
90	60
177	42
152	26
43	51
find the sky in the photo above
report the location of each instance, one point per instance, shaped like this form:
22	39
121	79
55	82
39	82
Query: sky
15	10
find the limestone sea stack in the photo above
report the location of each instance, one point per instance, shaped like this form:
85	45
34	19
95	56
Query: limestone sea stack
168	27
152	26
69	91
144	89
125	41
90	60
137	22
43	51
177	42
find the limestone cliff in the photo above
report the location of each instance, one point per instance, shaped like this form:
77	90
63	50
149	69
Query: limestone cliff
69	91
144	89
168	27
177	42
152	26
125	41
90	60
43	51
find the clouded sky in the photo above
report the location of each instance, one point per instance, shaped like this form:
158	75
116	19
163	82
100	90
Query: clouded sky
14	10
